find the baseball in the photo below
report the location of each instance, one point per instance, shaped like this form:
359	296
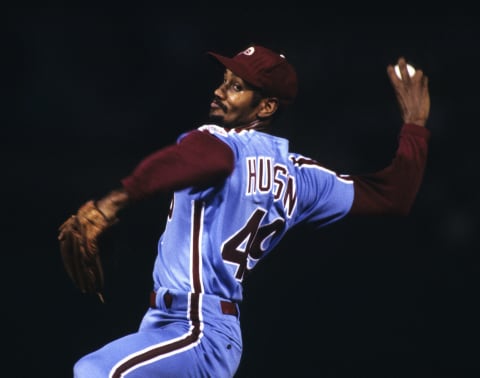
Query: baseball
410	69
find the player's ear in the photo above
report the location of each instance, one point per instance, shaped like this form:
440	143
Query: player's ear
267	107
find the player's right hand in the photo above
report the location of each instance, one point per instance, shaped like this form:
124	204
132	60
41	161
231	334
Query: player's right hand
412	93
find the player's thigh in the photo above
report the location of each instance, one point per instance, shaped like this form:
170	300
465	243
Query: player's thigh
213	354
133	350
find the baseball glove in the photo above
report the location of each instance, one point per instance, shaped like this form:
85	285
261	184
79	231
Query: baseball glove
78	237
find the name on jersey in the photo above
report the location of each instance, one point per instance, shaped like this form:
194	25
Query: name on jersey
264	177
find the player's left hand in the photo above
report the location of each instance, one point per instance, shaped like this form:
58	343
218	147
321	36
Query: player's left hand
78	238
412	93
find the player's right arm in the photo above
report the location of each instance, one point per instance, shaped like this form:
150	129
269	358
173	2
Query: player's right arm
393	190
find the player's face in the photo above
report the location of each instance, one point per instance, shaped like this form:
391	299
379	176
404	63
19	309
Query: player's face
233	104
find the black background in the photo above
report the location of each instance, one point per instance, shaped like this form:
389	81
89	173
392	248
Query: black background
87	92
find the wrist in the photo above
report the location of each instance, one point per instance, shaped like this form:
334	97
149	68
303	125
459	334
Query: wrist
112	203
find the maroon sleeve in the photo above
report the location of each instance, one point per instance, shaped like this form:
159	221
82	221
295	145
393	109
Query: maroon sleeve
392	190
199	159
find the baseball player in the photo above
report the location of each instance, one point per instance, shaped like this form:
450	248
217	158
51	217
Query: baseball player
236	191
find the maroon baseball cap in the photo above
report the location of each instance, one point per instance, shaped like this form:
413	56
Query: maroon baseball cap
264	69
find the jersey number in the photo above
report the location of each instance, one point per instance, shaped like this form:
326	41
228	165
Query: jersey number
247	243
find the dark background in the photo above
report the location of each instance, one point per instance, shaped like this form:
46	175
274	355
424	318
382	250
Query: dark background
86	93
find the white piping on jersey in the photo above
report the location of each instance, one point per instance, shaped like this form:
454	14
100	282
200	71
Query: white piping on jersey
159	357
304	162
212	129
196	278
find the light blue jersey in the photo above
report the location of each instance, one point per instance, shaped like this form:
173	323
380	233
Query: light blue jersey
213	237
224	231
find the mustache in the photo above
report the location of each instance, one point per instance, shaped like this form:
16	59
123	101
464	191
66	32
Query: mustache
217	101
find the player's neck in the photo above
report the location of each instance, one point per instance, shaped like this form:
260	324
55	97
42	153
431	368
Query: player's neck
258	124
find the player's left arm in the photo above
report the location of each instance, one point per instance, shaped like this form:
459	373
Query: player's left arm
199	159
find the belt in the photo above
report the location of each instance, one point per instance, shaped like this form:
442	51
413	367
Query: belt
227	308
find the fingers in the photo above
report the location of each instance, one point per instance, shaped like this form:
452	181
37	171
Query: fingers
71	251
97	271
403	68
416	76
66	224
66	248
403	71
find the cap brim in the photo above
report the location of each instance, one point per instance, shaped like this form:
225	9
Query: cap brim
237	68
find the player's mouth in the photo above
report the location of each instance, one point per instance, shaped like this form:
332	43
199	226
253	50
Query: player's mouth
215	105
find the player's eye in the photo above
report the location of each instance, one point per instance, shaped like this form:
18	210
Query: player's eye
232	86
237	87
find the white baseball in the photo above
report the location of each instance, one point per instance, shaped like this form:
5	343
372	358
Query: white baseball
410	70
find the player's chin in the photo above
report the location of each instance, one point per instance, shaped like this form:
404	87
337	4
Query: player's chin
216	117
